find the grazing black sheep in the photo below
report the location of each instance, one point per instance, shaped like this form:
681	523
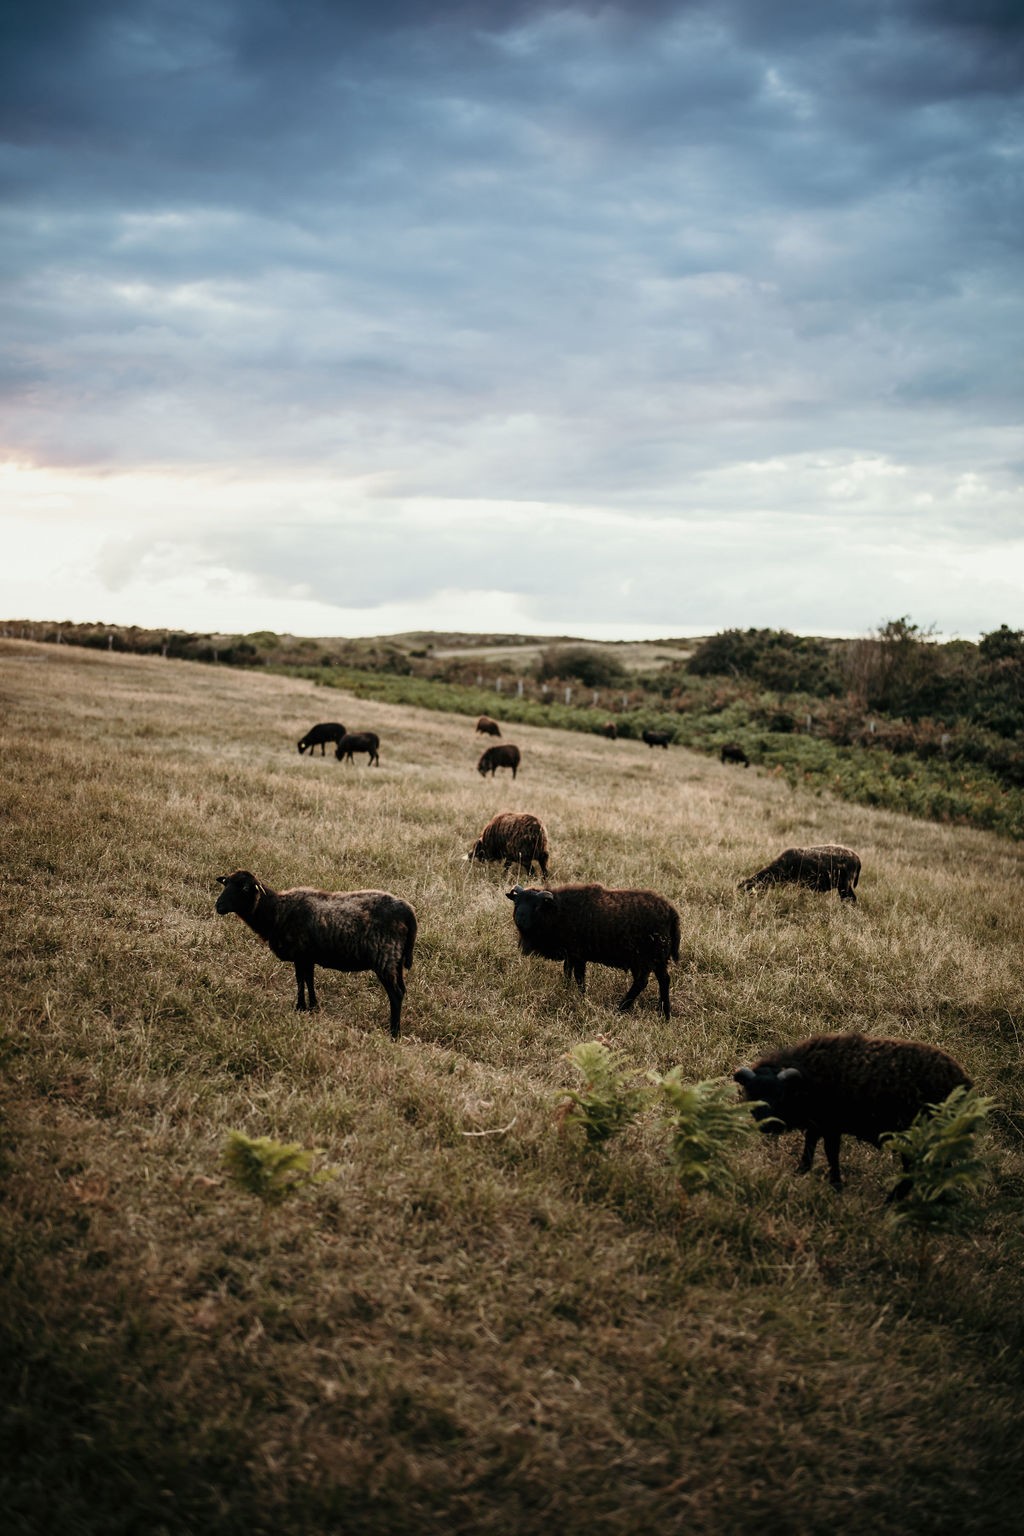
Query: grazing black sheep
733	753
506	756
488	727
629	930
317	735
657	738
852	1085
515	836
342	930
828	868
610	730
363	741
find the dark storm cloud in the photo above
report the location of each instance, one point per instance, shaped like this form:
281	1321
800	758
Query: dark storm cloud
574	253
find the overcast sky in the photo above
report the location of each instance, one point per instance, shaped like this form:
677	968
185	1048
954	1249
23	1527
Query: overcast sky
606	319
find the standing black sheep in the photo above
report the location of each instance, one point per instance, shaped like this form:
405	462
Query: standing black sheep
317	735
342	930
610	731
487	727
515	836
629	930
732	752
853	1085
506	756
364	741
657	738
828	868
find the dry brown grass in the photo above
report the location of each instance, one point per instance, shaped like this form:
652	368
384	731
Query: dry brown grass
465	1333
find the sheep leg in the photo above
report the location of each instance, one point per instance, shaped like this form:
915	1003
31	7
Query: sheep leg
575	968
304	982
832	1140
394	985
661	972
810	1143
640	980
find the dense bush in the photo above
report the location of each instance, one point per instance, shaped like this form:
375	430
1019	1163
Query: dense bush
772	657
594	669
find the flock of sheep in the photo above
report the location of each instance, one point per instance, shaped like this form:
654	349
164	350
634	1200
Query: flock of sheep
826	1086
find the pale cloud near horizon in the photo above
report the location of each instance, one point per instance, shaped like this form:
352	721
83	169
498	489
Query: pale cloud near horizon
557	317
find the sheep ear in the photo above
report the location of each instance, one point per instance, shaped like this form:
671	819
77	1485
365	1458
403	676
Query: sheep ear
514	893
788	1074
745	1076
222	879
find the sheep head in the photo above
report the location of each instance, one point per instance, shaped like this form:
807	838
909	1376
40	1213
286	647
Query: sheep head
241	893
775	1092
531	905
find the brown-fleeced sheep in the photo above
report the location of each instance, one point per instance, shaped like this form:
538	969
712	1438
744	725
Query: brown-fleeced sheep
341	930
488	727
828	868
732	752
362	741
515	836
317	735
847	1085
505	756
630	930
610	730
657	738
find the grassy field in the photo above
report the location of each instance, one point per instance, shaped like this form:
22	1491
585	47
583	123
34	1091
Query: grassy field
478	1324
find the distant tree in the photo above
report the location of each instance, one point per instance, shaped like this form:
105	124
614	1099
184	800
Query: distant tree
997	699
897	670
773	658
1002	644
592	668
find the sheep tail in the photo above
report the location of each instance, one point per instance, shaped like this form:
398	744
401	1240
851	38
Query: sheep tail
675	937
410	939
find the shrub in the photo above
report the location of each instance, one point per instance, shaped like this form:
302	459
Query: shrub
270	1170
941	1164
594	669
609	1099
706	1122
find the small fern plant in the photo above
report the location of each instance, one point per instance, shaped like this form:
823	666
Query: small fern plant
610	1097
706	1125
271	1170
941	1167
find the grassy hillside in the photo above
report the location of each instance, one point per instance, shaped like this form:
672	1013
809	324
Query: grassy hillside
478	1324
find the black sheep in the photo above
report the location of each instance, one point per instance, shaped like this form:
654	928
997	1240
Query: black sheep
488	727
317	735
342	930
828	868
515	836
657	738
852	1085
733	753
506	756
364	741
630	930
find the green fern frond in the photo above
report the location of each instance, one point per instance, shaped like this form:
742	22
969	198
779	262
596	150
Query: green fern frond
269	1169
941	1162
609	1099
706	1124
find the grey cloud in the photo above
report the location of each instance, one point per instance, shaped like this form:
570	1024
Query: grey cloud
566	253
